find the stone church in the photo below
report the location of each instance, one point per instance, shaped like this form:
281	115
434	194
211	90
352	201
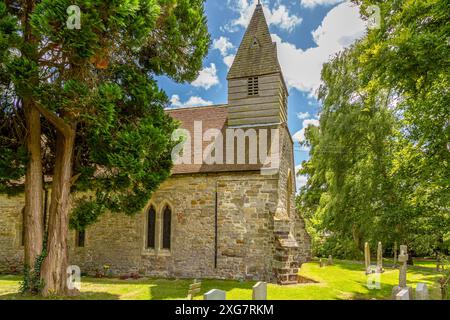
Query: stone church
210	219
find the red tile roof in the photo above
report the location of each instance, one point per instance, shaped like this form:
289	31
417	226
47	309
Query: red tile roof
211	117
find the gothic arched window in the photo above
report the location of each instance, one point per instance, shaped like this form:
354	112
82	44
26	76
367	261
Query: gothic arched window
151	228
167	226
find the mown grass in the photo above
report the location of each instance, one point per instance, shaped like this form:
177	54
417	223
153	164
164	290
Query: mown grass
343	281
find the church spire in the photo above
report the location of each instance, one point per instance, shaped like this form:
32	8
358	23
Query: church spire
257	54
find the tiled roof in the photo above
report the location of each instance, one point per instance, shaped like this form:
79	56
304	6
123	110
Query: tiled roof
213	117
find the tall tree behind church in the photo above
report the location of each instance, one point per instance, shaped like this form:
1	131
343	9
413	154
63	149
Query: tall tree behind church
379	164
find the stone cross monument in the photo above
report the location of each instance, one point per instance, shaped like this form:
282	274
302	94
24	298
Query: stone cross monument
402	259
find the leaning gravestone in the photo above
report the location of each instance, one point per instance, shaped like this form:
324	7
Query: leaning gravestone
260	291
380	258
367	257
402	295
402	259
422	292
215	294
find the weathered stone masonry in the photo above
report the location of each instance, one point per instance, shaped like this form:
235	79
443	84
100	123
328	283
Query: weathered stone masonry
246	208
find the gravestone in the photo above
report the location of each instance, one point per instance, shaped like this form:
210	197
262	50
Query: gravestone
402	259
194	289
260	291
321	263
215	294
380	258
422	292
367	257
402	295
330	260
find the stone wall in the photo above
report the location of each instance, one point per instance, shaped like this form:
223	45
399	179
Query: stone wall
11	249
257	237
246	203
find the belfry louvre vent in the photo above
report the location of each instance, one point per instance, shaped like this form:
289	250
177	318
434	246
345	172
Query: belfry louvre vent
253	86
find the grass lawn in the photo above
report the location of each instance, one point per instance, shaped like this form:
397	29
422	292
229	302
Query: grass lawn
424	263
344	280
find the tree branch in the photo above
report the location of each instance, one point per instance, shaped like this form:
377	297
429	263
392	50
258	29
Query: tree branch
58	122
74	179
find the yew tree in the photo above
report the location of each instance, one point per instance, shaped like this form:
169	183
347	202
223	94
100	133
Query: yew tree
89	111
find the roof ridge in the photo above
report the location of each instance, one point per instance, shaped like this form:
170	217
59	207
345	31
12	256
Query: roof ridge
197	107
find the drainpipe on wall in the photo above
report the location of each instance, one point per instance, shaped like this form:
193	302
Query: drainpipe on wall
216	226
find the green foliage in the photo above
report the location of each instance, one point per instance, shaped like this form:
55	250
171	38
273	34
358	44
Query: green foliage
100	79
379	166
32	282
12	153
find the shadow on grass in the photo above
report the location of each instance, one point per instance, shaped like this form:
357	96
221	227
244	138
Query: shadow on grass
83	296
359	266
178	289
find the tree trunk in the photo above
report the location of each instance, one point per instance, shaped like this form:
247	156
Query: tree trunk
356	238
33	218
55	264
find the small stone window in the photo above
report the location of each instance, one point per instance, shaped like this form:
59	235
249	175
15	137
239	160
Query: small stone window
80	238
253	86
151	228
167	226
255	43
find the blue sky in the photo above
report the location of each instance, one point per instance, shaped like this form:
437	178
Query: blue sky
307	32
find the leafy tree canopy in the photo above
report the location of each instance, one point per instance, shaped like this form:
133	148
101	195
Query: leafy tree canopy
379	166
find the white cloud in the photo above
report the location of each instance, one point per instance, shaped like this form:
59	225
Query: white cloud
297	169
228	60
193	101
302	180
278	16
314	3
303	115
299	136
223	44
207	77
339	29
